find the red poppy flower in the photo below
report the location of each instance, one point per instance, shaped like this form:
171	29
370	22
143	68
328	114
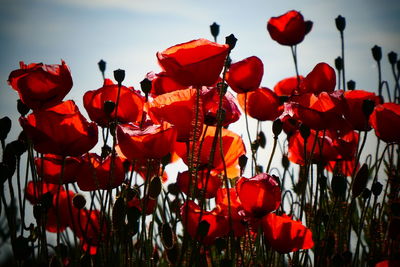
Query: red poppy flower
245	75
40	85
323	111
213	183
130	106
59	215
149	168
321	79
286	235
289	28
345	167
388	263
49	168
150	142
355	115
198	62
289	124
288	86
262	104
210	99
96	173
218	225
178	108
138	203
259	195
161	83
35	191
60	130
384	120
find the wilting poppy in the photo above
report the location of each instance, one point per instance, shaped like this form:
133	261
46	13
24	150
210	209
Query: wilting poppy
289	28
259	195
153	141
161	83
261	104
210	185
40	85
198	62
210	99
130	104
218	224
245	75
321	79
286	235
355	115
49	168
178	108
60	130
384	120
289	86
97	173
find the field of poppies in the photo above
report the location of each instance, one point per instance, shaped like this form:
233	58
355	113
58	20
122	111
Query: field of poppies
329	202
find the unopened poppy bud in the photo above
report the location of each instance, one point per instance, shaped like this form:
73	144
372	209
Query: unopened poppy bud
262	140
366	194
119	75
285	161
145	85
304	131
5	127
360	181
155	187
109	106
254	145
368	106
376	188
340	23
339	186
214	30
339	63
22	108
308	26
167	236
231	41
203	229
351	85
18	147
102	66
377	53
277	127
392	56
242	161
79	201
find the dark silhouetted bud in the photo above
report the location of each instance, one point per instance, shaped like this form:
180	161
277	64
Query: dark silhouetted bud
214	30
231	41
173	189
339	186
261	139
304	131
5	127
366	194
377	53
102	66
254	145
285	161
166	160
360	181
155	187
79	201
340	23
145	85
203	228
376	188
242	162
368	106
18	147
339	63
22	108
167	236
109	106
392	56
309	25
351	85
119	75
277	127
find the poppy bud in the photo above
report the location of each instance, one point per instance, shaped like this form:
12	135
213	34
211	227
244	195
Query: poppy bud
119	75
340	23
5	127
167	236
339	186
376	188
254	145
285	161
366	194
231	41
277	127
203	228
308	26
242	161
377	53
102	66
261	139
360	181
339	63
146	86
392	56
351	85
304	131
22	108
109	106
18	147
155	187
368	106
79	201
214	30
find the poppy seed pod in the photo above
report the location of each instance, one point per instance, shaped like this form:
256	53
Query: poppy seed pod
392	56
351	85
231	41
214	30
340	23
102	66
277	126
376	188
339	63
22	108
145	85
376	53
119	75
79	201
